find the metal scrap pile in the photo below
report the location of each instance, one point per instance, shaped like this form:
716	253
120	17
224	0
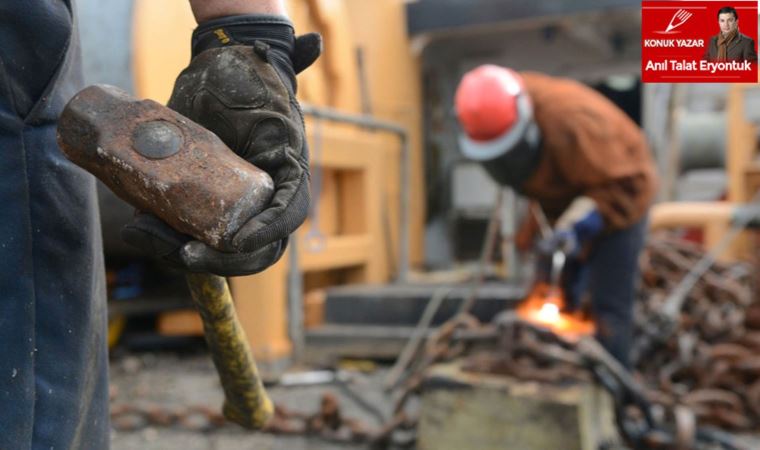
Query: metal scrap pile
711	363
703	376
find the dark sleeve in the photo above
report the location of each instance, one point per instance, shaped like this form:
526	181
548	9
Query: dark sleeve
706	56
749	51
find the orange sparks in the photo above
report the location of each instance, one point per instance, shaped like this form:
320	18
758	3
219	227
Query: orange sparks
544	307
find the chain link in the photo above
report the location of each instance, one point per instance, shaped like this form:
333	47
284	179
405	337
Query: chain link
328	423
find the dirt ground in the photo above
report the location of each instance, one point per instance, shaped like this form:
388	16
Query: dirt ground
173	381
180	381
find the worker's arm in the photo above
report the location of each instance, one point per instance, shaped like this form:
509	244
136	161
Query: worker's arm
241	84
212	9
706	54
749	52
528	230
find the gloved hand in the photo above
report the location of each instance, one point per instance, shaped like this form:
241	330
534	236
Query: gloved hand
577	226
564	240
580	223
241	85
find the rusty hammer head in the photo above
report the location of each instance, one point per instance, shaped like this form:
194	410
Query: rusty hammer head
161	162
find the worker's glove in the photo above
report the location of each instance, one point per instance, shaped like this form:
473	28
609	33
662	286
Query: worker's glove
241	85
579	224
565	241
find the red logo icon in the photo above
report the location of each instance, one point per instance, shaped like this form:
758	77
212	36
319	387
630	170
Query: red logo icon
679	18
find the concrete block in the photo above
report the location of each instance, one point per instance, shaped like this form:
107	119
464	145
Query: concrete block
466	411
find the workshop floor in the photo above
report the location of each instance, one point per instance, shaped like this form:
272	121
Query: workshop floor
181	381
175	381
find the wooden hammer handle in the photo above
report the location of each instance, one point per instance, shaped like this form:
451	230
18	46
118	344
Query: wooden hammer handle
246	402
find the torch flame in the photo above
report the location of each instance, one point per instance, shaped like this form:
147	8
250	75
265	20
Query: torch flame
549	313
544	307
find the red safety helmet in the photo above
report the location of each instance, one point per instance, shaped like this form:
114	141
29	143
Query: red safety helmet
494	111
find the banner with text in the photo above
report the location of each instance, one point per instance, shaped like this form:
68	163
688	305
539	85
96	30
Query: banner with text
699	41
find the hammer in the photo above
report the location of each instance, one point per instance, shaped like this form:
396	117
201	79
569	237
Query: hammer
161	162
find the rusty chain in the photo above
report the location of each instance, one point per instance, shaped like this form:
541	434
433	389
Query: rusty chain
328	423
706	375
710	363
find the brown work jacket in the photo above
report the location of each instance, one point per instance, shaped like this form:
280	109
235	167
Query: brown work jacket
589	147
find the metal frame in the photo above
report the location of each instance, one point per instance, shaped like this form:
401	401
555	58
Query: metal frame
364	121
436	15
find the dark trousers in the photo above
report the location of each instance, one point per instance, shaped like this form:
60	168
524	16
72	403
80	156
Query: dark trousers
53	356
610	276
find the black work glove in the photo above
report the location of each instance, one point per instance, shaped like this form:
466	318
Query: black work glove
241	85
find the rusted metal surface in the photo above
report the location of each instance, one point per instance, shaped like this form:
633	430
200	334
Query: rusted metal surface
710	363
161	162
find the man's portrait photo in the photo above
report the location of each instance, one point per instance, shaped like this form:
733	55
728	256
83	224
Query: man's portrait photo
729	44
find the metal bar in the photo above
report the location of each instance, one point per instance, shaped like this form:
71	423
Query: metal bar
405	205
295	301
508	231
672	155
486	254
421	331
427	16
543	222
371	123
355	119
363	82
674	302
